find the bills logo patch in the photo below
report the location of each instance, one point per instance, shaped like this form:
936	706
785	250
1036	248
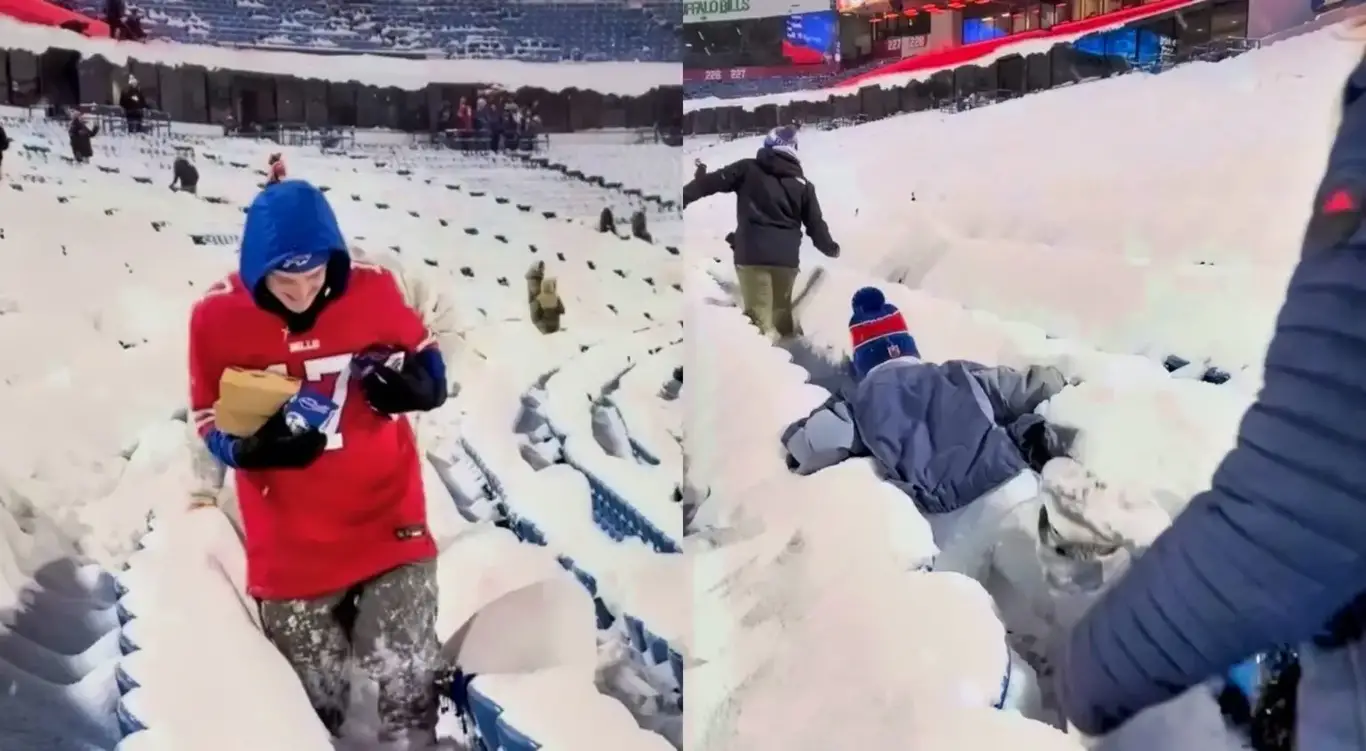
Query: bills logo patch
297	262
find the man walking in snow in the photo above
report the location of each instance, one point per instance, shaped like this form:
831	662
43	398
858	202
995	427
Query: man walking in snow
773	200
339	554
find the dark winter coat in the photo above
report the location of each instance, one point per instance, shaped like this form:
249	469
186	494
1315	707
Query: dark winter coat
945	435
80	135
1277	545
639	228
4	140
186	176
132	101
773	199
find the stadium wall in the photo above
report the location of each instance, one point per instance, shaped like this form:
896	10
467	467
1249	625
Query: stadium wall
1006	77
205	85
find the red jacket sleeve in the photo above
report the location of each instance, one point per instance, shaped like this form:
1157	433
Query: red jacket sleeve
206	367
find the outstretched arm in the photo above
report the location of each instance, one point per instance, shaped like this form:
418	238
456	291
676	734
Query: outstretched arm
725	180
823	439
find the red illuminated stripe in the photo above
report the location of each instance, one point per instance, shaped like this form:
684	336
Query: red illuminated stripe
867	331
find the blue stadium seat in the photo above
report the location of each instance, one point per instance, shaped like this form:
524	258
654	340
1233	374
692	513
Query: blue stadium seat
512	739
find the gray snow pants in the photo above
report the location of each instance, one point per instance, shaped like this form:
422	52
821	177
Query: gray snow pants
388	624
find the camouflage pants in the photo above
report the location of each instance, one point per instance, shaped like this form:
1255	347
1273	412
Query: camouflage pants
766	294
387	624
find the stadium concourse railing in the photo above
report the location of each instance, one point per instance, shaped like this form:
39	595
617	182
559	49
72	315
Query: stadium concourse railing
957	90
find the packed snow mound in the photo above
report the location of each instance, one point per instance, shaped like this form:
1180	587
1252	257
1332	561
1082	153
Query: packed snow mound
1160	256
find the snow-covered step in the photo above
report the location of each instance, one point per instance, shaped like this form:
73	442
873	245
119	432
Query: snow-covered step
648	417
177	589
628	578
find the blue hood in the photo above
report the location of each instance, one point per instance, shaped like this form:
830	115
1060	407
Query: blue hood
287	219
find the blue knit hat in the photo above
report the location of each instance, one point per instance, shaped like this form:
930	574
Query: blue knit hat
877	331
782	139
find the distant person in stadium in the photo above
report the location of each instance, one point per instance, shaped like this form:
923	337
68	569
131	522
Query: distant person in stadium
184	175
534	275
114	11
134	104
773	200
275	167
4	146
546	307
640	228
607	222
464	117
133	24
699	169
339	554
80	135
1273	553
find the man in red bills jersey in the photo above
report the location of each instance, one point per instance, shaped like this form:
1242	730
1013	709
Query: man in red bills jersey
338	550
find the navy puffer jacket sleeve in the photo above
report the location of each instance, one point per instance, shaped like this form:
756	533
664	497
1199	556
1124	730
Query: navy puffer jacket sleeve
1277	545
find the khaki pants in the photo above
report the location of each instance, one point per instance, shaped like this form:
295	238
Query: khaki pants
766	292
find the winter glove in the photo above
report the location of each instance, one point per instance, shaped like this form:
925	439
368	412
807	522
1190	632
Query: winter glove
273	446
1038	441
418	385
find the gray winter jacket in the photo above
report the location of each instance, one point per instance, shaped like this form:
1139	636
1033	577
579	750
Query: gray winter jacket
944	434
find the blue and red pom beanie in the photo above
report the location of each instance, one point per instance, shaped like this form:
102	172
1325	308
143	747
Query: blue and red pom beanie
877	331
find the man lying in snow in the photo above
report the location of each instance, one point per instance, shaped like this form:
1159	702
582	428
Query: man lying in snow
959	438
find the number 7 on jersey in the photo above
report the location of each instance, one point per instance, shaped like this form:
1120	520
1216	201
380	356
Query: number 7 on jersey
315	371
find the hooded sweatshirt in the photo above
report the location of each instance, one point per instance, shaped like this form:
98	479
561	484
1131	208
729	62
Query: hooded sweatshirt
359	509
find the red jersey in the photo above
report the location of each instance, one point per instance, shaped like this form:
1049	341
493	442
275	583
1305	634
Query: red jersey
357	511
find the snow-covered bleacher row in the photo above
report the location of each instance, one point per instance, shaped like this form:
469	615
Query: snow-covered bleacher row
467	222
608	520
582	382
654	425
